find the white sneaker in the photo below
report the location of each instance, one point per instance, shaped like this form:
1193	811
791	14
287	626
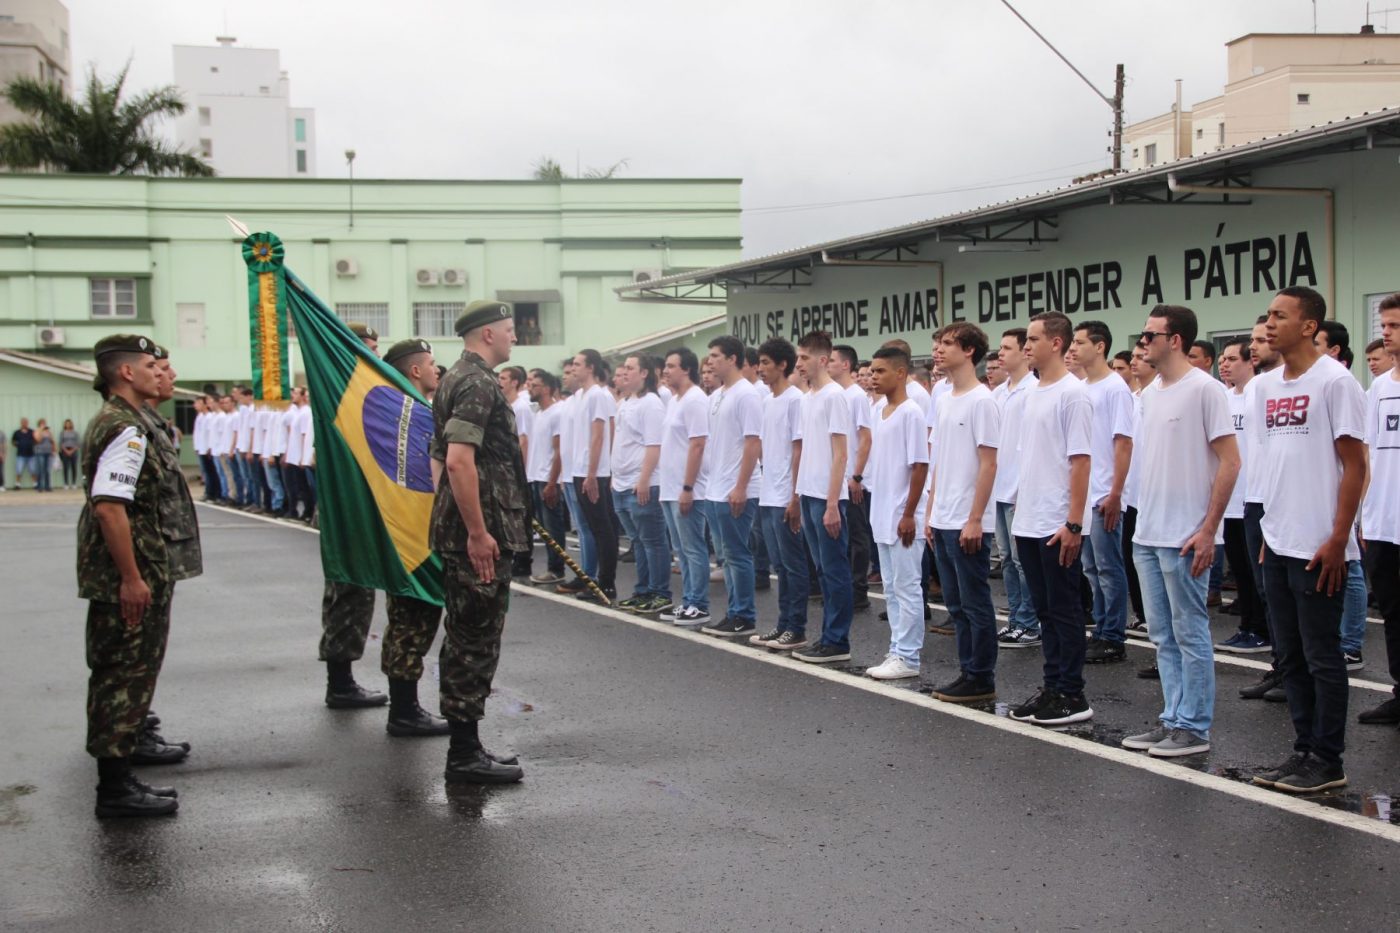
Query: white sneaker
717	575
893	668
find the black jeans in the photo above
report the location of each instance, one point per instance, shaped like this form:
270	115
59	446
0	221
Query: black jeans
1383	567
1237	556
1134	587
70	468
862	542
602	521
1055	592
555	521
1253	541
1307	627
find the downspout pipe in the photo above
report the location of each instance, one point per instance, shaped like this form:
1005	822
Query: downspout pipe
1329	214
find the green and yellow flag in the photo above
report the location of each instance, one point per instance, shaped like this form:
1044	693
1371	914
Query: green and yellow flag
374	485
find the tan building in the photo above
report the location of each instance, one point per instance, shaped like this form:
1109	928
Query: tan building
1275	83
33	42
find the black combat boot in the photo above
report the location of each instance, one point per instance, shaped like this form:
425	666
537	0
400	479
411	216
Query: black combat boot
343	693
152	749
406	717
119	793
468	762
152	721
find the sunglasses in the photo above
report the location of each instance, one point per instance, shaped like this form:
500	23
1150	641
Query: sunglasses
1147	336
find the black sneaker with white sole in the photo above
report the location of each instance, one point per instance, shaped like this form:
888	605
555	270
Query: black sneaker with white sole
731	628
766	639
689	617
789	641
1022	712
822	653
1312	777
1063	710
1271	776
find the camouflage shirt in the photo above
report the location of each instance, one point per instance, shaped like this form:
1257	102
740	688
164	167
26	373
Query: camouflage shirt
113	475
469	408
178	521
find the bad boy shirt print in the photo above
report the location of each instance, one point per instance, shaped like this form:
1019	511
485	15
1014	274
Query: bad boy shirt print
1287	415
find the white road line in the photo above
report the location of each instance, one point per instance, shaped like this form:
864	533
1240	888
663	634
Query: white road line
280	523
1142	762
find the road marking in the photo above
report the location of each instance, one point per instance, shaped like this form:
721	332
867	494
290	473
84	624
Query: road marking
279	522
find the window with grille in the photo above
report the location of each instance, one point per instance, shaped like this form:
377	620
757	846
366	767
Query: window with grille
112	298
436	318
373	314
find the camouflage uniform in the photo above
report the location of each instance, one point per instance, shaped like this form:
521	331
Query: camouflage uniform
412	625
124	661
469	408
178	521
347	610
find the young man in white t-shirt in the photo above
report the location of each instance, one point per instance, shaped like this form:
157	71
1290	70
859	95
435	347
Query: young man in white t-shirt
1112	453
512	381
682	464
636	484
1380	514
593	434
828	438
562	479
1023	628
779	516
1312	428
543	388
1237	371
961	520
843	367
1052	507
1190	462
731	493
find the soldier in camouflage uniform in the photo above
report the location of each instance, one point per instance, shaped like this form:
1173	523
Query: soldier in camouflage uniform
124	573
478	524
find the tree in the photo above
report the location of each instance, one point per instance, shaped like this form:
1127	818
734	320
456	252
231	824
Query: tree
549	169
101	134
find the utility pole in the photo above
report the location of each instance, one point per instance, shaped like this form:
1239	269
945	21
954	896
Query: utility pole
350	161
1115	102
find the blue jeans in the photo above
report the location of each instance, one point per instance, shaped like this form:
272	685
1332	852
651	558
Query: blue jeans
1018	598
1102	556
587	550
646	529
902	575
788	555
688	540
226	476
1179	625
732	537
274	483
832	559
554	525
23	465
43	472
1217	569
1055	590
1354	608
968	597
241	478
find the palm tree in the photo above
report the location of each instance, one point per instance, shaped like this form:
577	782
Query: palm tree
101	134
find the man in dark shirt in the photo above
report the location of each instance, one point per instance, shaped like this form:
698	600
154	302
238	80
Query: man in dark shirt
23	442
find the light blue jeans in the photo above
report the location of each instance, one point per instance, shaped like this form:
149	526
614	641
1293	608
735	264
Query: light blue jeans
646	529
1354	608
688	541
1102	555
587	550
733	539
901	571
1018	597
1179	625
274	483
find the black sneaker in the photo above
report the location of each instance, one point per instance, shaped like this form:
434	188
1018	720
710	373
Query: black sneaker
1104	652
1353	660
789	641
576	585
765	640
1269	681
1063	710
730	628
1276	695
1273	775
966	690
1388	713
822	653
1027	709
589	596
1150	672
860	602
762	583
1312	777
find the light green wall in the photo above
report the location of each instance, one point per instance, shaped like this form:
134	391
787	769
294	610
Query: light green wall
29	393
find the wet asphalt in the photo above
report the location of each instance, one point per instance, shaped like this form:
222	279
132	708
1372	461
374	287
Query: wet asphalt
669	786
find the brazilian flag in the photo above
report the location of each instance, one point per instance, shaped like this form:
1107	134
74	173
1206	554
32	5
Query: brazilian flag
374	486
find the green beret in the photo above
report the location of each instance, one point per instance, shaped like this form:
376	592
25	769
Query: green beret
480	313
98	383
406	348
161	353
124	343
363	331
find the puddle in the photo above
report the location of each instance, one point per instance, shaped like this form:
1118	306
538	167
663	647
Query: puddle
11	814
503	701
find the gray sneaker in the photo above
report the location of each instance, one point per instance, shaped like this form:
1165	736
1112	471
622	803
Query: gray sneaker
1145	740
1179	744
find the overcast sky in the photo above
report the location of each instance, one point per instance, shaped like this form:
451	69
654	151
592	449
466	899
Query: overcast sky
840	117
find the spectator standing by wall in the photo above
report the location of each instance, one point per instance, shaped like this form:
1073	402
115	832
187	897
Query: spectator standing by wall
69	444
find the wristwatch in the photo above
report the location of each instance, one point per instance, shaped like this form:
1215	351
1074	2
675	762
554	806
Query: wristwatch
858	478
687	489
1075	529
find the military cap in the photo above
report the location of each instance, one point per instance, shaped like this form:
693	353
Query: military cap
406	348
161	353
363	331
124	343
479	313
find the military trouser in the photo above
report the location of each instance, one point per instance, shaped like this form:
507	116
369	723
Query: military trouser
124	662
471	644
347	610
408	636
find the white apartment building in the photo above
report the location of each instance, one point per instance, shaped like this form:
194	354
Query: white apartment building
33	42
1275	83
239	116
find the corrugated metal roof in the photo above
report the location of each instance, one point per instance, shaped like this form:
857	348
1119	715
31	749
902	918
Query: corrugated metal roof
646	340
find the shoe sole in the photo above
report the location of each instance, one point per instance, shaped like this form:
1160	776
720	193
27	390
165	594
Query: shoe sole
1138	633
726	633
1325	785
904	676
1233	650
1353	668
1137	746
796	646
1019	644
826	659
106	813
400	732
1156	752
941	629
452	778
1063	721
979	698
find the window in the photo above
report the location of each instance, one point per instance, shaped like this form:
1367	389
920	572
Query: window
527	324
1149	153
372	313
300	126
1304	98
206	148
112	298
1220	130
1135	153
436	318
205	117
264	89
1200	133
301	161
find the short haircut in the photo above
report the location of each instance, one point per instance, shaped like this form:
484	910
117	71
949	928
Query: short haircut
1337	335
406	362
730	346
1374	345
969	336
1242	342
110	364
594	361
898	344
550	380
818	342
1206	347
1181	322
750	356
1261	319
1125	355
1098	333
781	352
897	357
1019	333
1390	302
1313	304
688	362
1056	325
847	353
516	373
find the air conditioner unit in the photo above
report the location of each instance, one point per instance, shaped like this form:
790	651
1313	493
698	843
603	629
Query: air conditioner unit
52	337
427	276
645	275
347	268
455	278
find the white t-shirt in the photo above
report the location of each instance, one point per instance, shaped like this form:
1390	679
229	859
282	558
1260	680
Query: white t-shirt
826	413
274	444
247	418
665	394
119	467
1178	464
1113	418
1235	507
201	445
1013	410
568	448
897	442
782	424
1131	483
687	417
916	391
298	442
966	423
595	404
1057	424
638	427
861	417
736	414
544	427
221	433
1380	513
1252	476
1300	422
286	424
940	388
524	414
